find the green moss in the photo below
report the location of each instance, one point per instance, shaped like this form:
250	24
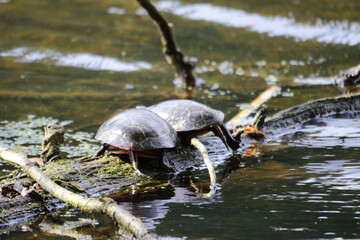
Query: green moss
116	166
11	177
57	168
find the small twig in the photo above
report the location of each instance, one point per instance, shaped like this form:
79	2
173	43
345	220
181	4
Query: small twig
4	219
73	186
196	143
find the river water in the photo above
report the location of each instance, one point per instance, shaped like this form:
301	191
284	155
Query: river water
79	62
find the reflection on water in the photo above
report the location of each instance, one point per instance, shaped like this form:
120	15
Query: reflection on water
326	132
80	60
339	32
152	212
334	174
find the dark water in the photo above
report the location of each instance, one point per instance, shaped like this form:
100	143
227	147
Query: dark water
78	62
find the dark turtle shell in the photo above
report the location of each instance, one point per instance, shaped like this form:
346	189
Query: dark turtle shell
137	129
187	115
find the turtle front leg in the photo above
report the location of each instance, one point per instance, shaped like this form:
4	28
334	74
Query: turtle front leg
101	150
133	155
217	131
227	137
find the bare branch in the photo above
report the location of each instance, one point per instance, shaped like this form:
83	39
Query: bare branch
174	57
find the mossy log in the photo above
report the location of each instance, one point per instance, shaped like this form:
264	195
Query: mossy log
91	205
90	179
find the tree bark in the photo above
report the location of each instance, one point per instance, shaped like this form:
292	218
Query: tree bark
307	111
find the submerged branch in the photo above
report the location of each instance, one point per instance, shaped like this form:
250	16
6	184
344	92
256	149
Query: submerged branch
196	143
106	205
174	57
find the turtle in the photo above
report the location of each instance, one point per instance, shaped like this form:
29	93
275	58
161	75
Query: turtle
190	119
136	131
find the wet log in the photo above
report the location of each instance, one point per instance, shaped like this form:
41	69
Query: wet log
104	205
307	111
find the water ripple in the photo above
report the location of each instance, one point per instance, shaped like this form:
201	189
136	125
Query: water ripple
334	174
325	132
338	32
80	60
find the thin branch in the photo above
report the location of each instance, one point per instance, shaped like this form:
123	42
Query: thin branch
196	143
174	57
106	205
263	97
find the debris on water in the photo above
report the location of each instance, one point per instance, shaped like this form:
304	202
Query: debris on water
29	133
116	10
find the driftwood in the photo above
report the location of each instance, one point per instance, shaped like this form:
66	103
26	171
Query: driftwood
105	205
94	178
183	69
54	137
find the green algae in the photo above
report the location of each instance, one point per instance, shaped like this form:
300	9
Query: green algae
116	166
60	168
29	133
10	178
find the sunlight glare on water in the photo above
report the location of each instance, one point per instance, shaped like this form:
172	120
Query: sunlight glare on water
79	60
327	132
336	32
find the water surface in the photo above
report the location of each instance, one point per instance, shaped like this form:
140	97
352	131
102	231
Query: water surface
79	62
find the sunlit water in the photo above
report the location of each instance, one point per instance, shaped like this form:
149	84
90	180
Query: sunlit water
339	32
81	60
302	183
